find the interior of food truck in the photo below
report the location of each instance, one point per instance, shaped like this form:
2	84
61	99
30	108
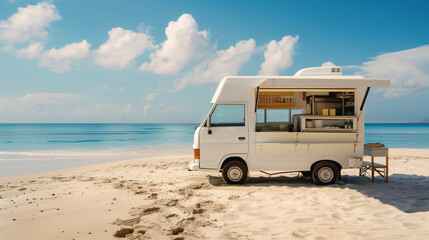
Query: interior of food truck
305	110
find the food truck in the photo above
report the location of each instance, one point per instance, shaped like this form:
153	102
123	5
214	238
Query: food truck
312	122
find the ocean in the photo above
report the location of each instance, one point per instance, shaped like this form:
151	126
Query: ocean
31	148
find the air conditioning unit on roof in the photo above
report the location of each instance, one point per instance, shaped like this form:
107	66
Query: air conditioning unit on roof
315	71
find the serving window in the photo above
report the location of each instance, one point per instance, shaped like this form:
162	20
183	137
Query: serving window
283	109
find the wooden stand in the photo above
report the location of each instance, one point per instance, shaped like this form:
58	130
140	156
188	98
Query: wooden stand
381	169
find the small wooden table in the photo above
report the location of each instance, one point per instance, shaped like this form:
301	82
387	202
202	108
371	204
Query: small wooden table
382	170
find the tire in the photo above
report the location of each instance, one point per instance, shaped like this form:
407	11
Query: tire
234	172
325	173
306	174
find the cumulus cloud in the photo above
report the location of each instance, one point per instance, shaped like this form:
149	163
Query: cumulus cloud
122	47
150	97
184	45
49	98
328	64
128	110
225	62
61	60
408	70
104	110
57	60
104	88
32	51
28	22
278	56
36	103
146	109
63	107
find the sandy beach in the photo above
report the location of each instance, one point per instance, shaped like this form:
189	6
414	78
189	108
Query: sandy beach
157	198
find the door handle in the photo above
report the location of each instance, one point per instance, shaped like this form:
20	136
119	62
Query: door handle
241	138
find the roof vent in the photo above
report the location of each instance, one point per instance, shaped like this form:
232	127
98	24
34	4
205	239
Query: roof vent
314	71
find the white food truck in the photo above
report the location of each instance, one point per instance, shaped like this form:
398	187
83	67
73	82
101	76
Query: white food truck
312	122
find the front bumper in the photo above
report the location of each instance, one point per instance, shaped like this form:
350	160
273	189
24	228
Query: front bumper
194	165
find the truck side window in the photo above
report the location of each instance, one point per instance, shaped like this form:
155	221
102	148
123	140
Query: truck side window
278	115
228	115
260	116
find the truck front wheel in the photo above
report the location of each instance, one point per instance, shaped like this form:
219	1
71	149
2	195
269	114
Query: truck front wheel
325	173
234	173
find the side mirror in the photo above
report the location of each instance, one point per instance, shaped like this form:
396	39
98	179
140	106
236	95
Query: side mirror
208	125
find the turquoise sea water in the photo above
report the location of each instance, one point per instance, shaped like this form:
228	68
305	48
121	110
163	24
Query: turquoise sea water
398	135
35	137
31	148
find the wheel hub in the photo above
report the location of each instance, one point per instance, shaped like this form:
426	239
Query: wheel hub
235	174
325	174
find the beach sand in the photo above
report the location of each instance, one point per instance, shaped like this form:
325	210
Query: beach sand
157	198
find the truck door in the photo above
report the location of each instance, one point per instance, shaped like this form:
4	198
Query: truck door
228	134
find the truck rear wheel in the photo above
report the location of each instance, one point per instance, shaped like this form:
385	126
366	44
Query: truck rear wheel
325	173
234	172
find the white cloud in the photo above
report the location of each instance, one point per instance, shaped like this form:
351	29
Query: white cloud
104	88
150	97
122	47
225	62
104	110
128	110
49	98
28	22
408	70
146	109
278	56
328	64
36	103
57	60
32	51
184	45
61	60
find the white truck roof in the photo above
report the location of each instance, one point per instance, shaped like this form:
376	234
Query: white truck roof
237	89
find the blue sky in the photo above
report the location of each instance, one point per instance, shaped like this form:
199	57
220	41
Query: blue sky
160	61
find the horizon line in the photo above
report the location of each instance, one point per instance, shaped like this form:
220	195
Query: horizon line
162	123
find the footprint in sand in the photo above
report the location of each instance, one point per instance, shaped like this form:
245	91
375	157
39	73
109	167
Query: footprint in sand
299	235
198	211
409	225
234	197
302	220
197	186
127	222
153	195
151	210
172	203
123	232
177	230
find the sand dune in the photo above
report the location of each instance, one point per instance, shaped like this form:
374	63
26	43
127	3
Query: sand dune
157	198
